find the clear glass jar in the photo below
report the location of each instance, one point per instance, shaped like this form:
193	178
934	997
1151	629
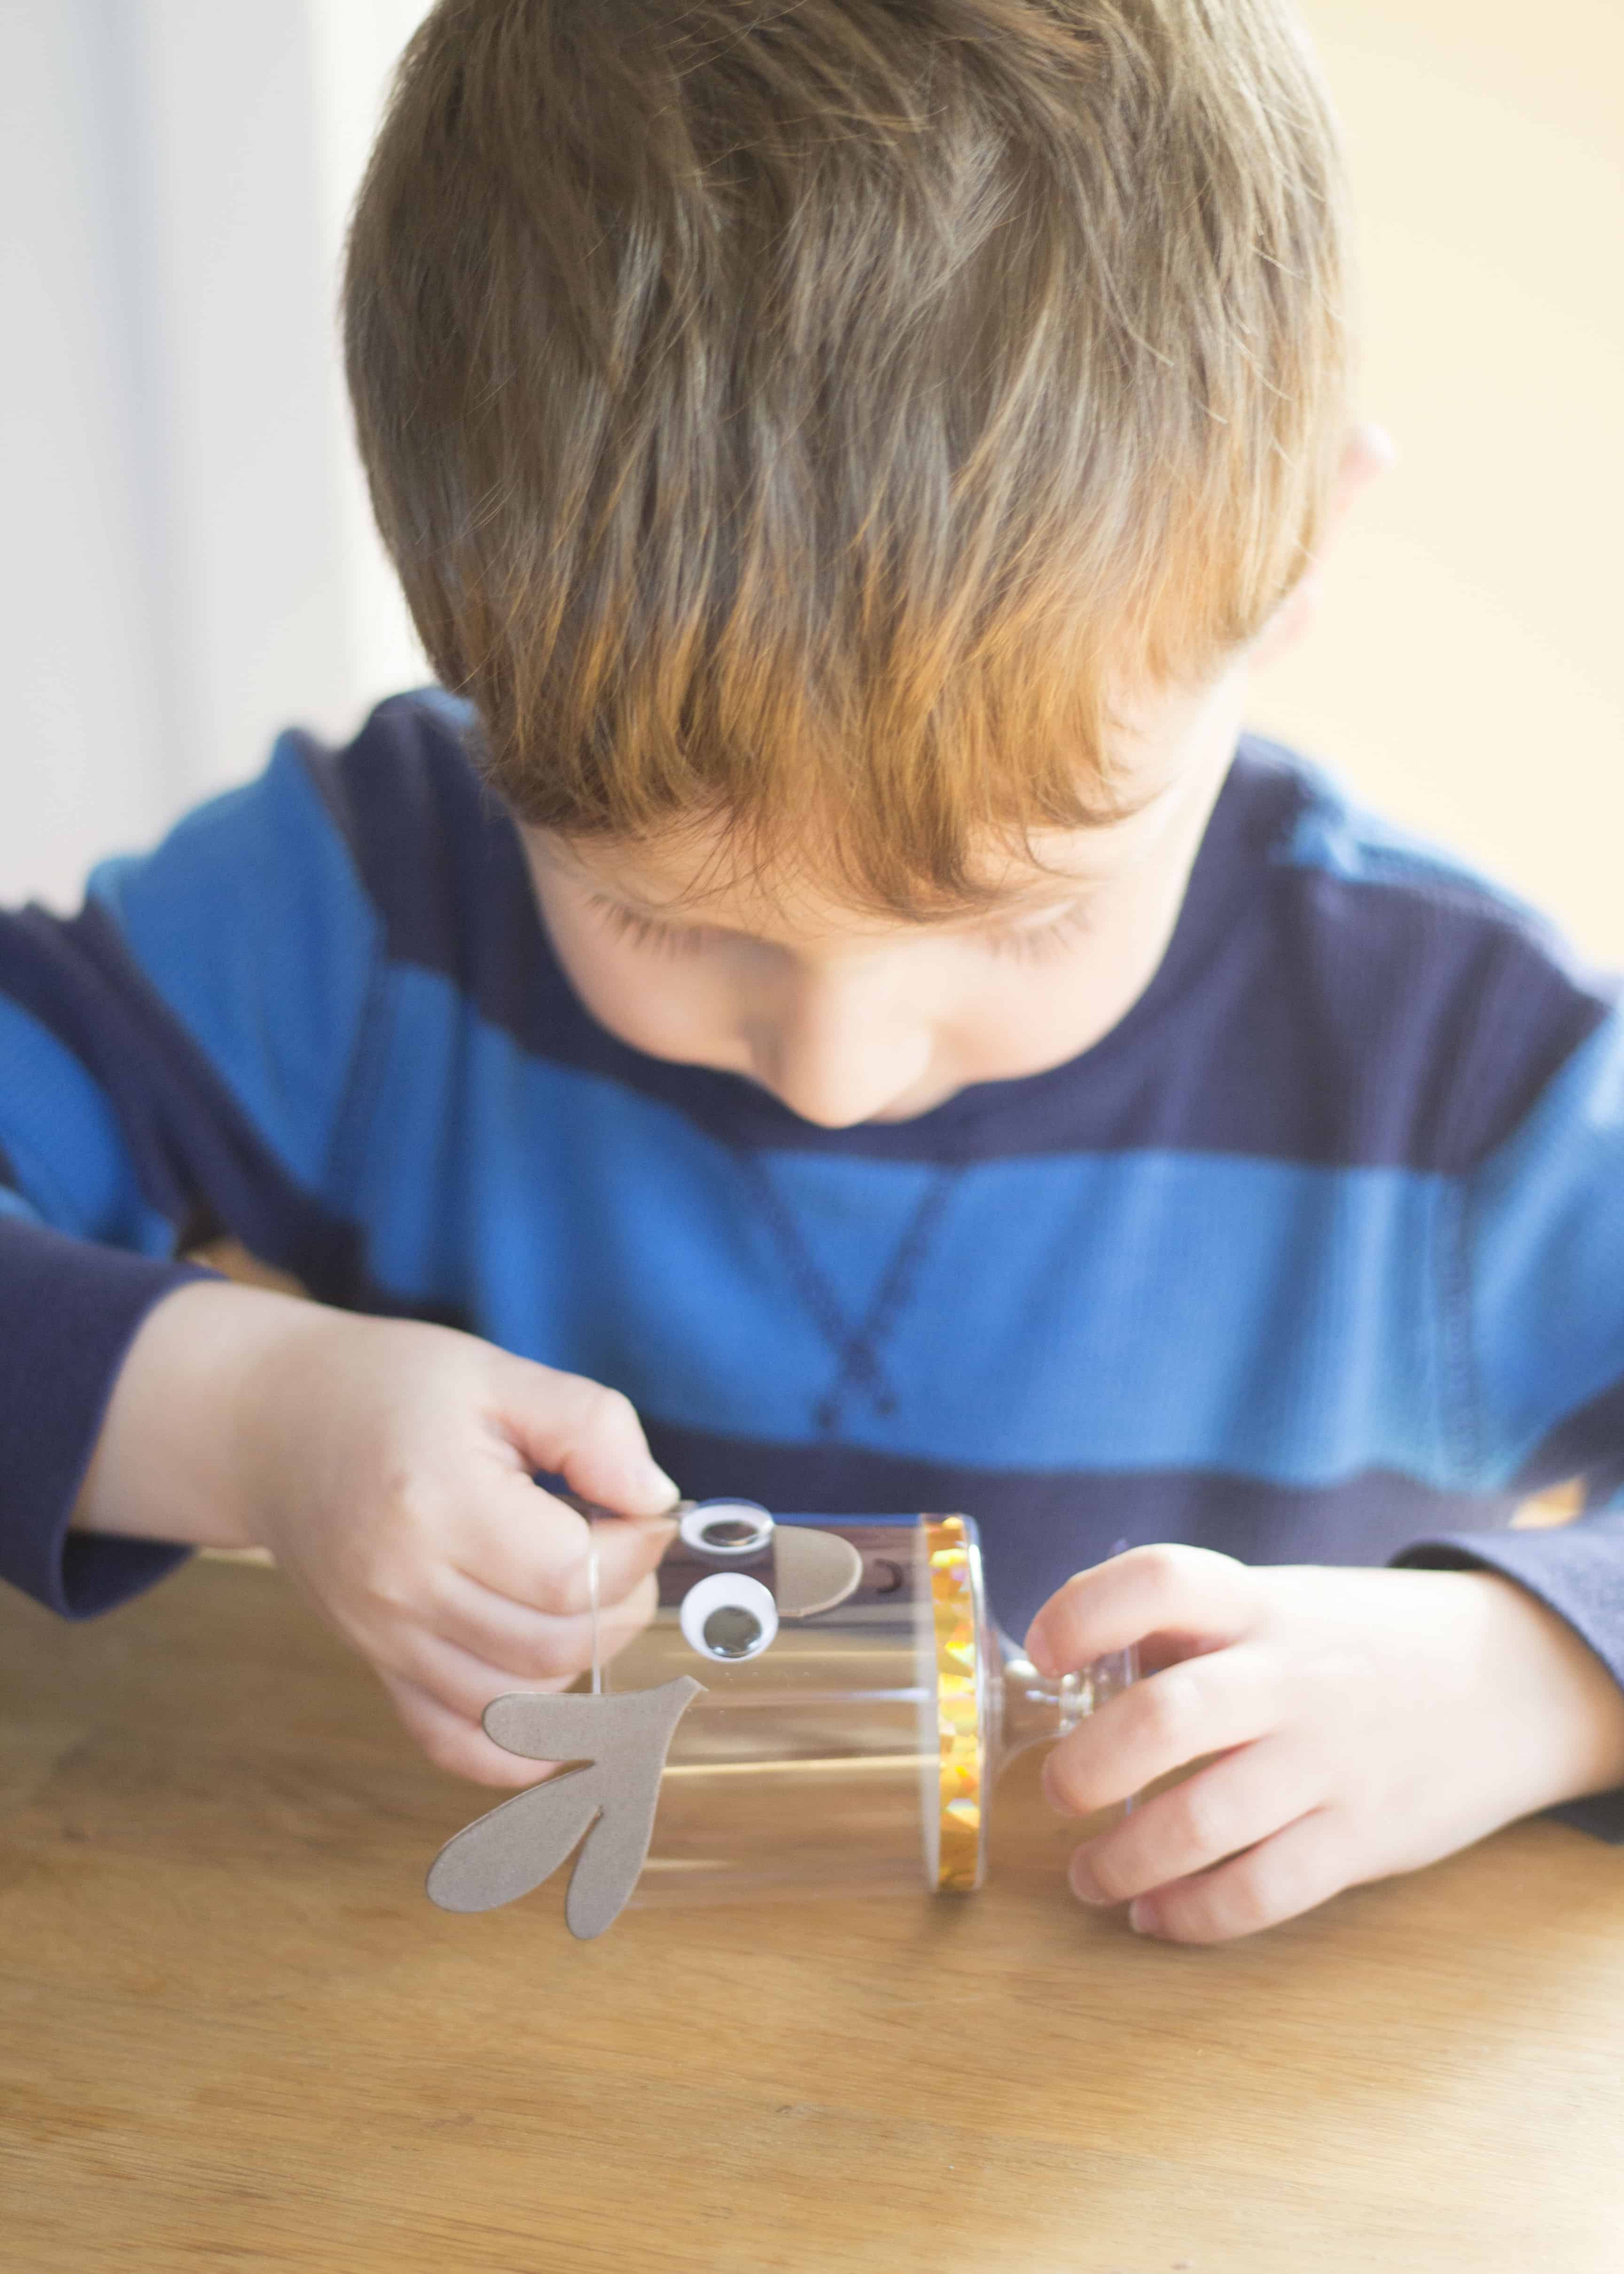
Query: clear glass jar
859	1706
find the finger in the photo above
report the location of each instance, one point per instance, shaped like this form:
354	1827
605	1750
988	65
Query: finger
522	1543
467	1680
457	1744
1206	1705
1303	1865
588	1434
527	1645
463	1681
1240	1800
1150	1591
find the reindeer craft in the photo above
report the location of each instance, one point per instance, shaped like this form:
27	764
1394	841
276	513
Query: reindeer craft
857	1705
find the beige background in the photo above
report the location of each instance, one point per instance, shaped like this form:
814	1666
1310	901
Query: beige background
1468	672
188	564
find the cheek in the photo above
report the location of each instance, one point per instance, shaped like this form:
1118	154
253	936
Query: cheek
1020	1020
1012	1019
669	1008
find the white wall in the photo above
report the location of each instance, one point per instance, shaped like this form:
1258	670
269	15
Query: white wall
1468	674
188	563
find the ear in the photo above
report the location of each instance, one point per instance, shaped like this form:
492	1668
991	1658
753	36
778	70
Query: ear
1367	453
812	1570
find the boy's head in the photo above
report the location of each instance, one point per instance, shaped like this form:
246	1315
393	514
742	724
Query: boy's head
848	452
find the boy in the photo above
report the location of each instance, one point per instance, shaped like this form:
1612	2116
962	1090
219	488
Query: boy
877	1012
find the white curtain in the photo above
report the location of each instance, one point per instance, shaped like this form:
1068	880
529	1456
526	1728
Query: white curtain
188	564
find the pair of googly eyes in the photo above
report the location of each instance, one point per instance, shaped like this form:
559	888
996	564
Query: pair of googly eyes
728	1616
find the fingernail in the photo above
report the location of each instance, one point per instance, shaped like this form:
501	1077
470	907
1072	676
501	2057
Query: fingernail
1084	1887
1142	1916
660	1488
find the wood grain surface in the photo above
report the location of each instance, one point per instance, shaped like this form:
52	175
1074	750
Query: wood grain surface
236	2037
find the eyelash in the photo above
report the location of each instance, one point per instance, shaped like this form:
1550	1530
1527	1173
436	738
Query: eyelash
1042	942
1033	946
643	931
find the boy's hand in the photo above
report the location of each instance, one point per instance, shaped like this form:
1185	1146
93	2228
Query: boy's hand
386	1465
1365	1722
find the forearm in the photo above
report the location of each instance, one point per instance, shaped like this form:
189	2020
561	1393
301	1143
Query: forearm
1568	1702
70	1309
172	1461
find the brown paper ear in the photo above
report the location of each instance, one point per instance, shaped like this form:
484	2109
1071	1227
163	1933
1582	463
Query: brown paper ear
812	1571
621	1742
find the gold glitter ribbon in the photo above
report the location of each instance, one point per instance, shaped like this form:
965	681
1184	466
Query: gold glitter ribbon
958	1721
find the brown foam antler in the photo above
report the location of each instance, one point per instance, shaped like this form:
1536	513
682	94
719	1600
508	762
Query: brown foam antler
621	1742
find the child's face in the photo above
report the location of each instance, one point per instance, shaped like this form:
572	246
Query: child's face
849	1017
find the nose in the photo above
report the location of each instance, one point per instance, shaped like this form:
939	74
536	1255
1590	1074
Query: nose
835	1051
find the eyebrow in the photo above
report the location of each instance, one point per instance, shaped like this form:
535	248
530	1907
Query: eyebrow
1043	895
1025	902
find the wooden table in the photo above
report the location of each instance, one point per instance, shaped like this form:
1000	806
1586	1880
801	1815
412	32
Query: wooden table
236	2037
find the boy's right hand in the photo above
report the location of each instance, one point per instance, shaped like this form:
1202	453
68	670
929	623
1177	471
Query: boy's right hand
388	1467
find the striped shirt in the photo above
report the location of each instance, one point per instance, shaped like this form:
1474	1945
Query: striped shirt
1316	1257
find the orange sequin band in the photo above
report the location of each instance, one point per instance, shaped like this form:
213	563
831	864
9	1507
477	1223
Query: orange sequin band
958	1715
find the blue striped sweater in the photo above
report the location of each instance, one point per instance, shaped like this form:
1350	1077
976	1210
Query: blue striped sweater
1318	1256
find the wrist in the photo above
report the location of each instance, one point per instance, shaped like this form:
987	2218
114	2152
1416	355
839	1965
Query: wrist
170	1459
1570	1706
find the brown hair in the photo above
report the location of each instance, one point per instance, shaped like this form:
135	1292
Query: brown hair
810	412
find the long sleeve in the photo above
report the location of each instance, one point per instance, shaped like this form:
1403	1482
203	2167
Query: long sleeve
1539	1340
68	1313
175	1062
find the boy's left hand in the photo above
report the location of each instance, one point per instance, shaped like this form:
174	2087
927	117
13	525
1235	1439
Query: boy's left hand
1365	1722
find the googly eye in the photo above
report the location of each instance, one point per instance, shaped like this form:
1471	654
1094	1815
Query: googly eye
728	1616
729	1528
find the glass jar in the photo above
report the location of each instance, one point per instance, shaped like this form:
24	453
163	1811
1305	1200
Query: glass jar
858	1708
